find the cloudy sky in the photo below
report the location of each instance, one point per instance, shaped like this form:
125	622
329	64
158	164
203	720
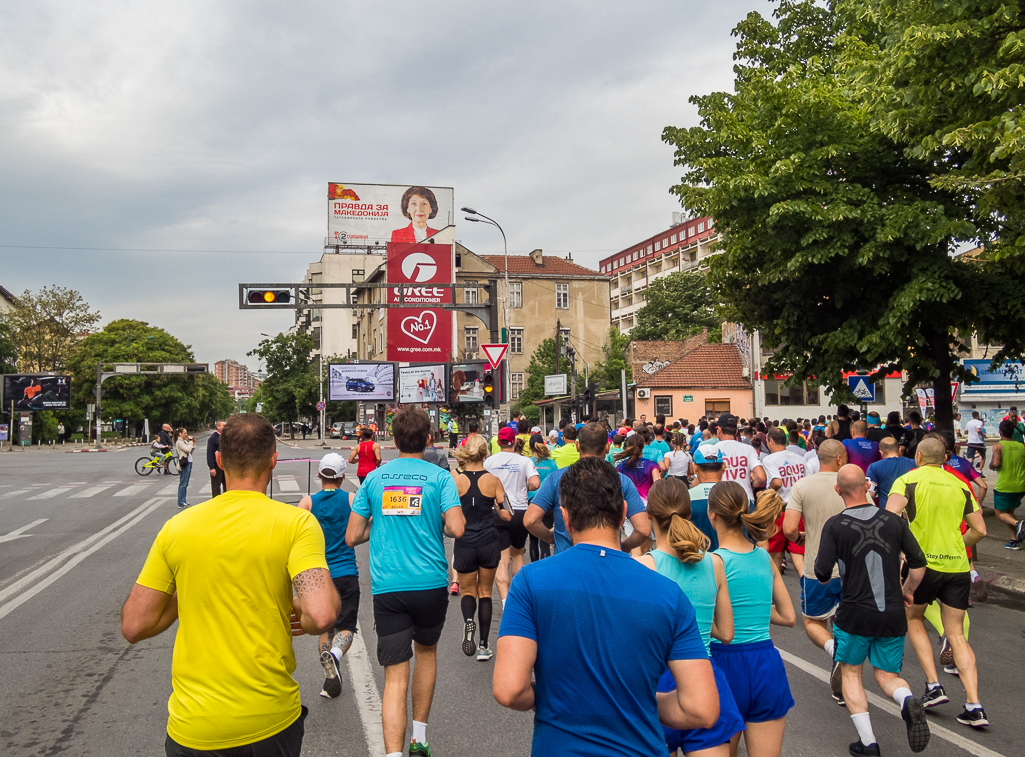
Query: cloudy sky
156	155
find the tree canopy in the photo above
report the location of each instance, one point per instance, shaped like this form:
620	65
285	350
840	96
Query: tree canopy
542	363
291	386
46	328
607	371
676	307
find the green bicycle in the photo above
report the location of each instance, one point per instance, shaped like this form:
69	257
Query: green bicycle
155	462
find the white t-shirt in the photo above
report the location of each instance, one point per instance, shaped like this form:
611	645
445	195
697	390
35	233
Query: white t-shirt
976	429
679	462
513	471
740	459
811	462
787	466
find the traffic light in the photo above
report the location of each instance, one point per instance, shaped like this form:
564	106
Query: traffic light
269	297
589	392
489	388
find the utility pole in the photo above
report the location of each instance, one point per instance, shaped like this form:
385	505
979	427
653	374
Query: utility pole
571	353
558	346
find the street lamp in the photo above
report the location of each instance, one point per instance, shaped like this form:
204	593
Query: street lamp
481	218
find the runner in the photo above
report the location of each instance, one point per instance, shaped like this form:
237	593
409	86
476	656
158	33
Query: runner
436	456
884	472
412	504
1009	463
976	432
523	435
545	466
676	463
870	621
815	499
656	449
1019	427
912	435
367	453
632	463
616	445
860	450
752	665
840	427
681	553
557	656
331	507
936	502
518	476
473	429
476	554
783	469
568	453
741	459
708	468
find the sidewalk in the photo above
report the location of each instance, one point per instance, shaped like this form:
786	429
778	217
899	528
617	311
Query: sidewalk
1003	569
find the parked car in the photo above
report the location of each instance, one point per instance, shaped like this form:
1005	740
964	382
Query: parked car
336	430
359	385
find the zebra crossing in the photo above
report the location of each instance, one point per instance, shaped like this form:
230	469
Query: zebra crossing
286	487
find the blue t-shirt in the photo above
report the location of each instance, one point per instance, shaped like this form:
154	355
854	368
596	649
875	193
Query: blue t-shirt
548	500
965	468
406	498
699	512
592	698
861	452
331	509
695	441
884	472
654	452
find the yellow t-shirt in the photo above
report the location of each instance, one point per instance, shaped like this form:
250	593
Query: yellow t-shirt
937	503
566	455
526	444
232	561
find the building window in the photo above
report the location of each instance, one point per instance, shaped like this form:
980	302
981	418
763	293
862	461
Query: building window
516	381
459	259
658	268
357	276
701	226
800	394
355	331
470	339
515	294
649	249
672	239
516	341
470	293
665	242
690	231
658	246
562	296
716	407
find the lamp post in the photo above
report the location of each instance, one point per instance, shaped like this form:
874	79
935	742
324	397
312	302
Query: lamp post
481	218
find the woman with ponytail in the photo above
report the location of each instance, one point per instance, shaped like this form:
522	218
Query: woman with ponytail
631	463
681	553
752	665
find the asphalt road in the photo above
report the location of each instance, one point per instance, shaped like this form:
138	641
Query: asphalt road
75	529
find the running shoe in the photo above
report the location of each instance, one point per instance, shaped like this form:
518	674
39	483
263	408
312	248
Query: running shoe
1012	545
836	682
333	677
946	652
454	588
913	714
469	647
934	697
860	750
974	718
1019	530
424	750
484	654
951	670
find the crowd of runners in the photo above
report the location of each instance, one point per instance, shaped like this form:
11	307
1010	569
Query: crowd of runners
674	536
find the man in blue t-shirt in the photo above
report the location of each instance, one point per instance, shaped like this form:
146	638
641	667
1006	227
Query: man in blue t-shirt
883	473
412	502
708	467
592	441
589	697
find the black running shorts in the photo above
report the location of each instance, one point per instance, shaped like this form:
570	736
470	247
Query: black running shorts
511	533
348	589
471	558
286	743
402	617
951	589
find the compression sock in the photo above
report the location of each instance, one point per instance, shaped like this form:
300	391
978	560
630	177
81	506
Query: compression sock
900	695
863	723
484	615
829	647
468	604
419	732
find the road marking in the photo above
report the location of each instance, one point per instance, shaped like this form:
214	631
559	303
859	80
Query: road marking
288	485
368	701
168	490
19	533
16	491
92	491
131	491
51	493
34	582
888	705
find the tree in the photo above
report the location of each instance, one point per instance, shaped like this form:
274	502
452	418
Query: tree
607	370
46	328
291	385
8	350
335	411
836	245
676	307
542	363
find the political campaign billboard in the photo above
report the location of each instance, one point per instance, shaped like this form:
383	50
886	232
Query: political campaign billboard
375	214
420	333
361	381
36	392
422	383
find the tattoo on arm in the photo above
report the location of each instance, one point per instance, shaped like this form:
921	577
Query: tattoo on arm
309	581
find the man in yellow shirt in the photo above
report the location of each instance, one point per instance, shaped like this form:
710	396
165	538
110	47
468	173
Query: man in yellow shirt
568	453
225	569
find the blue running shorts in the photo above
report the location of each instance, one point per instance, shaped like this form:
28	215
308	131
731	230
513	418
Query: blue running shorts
757	679
819	601
884	654
696	739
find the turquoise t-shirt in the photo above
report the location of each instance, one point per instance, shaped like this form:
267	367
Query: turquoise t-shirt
545	468
654	452
749	579
697	581
406	499
331	509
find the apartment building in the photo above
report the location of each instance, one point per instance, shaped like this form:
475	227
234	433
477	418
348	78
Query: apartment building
240	380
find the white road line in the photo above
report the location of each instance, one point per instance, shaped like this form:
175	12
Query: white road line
288	485
19	533
92	491
888	705
34	582
131	491
168	490
368	701
16	491
51	493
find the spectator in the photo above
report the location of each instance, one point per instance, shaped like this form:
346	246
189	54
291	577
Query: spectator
213	444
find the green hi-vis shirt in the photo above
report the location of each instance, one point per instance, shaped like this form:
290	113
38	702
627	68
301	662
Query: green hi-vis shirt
1011	476
937	503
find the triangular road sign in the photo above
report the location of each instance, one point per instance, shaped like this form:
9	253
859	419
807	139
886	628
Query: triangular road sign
494	353
861	391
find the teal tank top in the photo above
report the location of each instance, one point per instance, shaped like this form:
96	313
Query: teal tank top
331	509
749	579
697	581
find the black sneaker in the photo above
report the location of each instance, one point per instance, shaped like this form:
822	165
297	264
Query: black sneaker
469	646
332	676
913	714
974	718
860	750
934	697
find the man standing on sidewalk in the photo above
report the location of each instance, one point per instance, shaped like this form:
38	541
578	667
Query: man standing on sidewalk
1009	463
213	444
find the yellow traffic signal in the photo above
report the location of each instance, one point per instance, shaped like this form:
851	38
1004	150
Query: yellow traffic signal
269	297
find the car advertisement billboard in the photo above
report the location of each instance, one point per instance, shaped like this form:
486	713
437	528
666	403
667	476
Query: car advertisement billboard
466	383
421	333
376	214
422	383
361	381
34	392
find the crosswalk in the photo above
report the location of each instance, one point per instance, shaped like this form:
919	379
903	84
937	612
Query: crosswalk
286	488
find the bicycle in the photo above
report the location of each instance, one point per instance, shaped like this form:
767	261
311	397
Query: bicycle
155	462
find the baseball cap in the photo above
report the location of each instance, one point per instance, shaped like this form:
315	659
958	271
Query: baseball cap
874	419
535	430
727	419
707	454
332	465
506	436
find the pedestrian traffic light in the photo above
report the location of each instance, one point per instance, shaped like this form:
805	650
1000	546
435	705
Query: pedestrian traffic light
489	388
269	297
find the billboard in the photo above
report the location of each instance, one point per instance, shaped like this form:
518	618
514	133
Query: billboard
420	333
422	383
361	381
34	392
466	382
369	214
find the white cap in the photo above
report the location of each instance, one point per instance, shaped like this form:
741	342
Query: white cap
553	434
332	466
630	433
535	430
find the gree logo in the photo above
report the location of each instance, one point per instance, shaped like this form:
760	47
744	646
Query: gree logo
419	267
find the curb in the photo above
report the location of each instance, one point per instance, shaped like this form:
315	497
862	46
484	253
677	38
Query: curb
1002	583
88	449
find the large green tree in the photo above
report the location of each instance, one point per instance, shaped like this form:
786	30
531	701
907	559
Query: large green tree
291	386
676	307
8	350
542	363
613	360
46	328
836	244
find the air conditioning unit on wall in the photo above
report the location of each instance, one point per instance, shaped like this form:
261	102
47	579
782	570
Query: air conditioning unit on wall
643	394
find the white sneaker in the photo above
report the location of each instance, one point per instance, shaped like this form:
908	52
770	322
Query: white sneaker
484	654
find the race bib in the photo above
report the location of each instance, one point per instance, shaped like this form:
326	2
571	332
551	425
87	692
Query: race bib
401	500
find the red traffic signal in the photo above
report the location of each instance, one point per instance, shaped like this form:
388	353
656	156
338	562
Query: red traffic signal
269	297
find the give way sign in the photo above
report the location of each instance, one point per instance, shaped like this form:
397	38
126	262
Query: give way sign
494	353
